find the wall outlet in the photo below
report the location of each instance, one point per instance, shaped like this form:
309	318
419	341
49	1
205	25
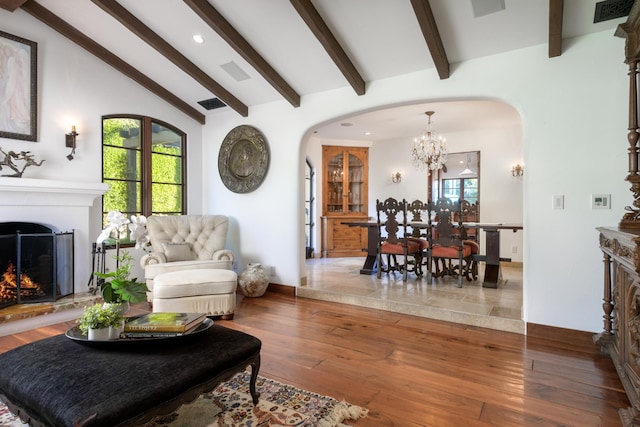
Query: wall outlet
514	249
272	271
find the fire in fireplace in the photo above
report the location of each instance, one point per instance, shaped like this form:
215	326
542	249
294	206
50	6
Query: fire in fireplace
36	263
9	285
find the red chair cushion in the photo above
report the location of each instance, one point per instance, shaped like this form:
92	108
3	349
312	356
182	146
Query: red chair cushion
423	243
398	248
450	251
475	247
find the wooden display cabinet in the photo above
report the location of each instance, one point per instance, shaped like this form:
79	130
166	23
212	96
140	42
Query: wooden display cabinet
345	173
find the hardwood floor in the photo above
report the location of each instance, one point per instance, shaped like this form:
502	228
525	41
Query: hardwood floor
412	371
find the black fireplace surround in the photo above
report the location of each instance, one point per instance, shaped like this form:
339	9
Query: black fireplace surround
40	257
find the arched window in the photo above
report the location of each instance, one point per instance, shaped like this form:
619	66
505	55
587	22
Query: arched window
144	163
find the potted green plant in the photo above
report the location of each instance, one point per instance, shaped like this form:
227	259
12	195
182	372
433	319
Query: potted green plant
117	287
98	322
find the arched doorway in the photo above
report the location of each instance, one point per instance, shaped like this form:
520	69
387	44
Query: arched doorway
489	127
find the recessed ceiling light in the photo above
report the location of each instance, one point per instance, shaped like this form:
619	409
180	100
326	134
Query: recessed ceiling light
367	133
198	38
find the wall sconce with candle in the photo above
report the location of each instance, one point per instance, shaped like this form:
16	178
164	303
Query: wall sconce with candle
517	170
396	177
70	142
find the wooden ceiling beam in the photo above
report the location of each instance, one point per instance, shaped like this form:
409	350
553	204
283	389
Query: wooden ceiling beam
556	9
424	14
11	5
136	26
220	25
47	17
319	28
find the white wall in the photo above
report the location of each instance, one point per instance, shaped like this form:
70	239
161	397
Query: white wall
573	111
76	88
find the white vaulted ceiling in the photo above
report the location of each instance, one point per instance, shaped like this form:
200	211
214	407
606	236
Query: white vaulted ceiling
372	39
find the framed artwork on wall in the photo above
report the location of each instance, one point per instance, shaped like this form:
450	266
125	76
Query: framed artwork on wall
19	83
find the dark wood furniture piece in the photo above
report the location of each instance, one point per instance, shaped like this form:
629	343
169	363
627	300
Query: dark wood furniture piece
60	382
621	335
370	265
621	248
403	255
345	187
450	256
492	273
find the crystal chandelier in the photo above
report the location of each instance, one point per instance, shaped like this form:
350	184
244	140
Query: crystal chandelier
429	149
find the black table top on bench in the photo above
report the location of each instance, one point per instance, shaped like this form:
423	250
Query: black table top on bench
59	382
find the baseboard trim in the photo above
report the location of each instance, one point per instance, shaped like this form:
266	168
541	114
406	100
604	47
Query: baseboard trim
282	289
555	333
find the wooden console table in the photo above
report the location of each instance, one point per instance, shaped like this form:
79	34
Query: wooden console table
620	338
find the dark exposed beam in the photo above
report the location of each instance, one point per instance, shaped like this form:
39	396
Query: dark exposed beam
555	27
220	25
427	22
319	28
11	5
46	16
136	26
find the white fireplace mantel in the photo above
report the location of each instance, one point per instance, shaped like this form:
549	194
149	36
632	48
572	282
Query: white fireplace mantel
46	192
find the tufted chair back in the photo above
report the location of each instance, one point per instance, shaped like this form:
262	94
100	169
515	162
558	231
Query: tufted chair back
205	234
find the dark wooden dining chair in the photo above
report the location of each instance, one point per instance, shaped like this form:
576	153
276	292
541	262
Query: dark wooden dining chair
469	213
449	254
402	254
417	211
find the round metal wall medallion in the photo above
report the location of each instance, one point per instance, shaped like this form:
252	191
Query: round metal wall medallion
243	160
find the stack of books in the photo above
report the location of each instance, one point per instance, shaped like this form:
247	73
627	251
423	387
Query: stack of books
162	325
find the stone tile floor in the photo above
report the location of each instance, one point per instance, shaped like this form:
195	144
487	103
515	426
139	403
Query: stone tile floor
339	280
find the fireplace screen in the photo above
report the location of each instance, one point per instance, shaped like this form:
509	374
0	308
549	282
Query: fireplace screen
36	264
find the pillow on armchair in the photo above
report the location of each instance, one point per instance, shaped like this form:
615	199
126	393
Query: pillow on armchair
177	252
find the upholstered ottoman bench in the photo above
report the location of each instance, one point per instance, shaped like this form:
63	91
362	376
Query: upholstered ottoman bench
211	291
59	382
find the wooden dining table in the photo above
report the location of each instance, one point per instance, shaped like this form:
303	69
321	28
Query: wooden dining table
492	274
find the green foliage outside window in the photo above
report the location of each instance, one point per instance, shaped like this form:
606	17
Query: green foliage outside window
127	142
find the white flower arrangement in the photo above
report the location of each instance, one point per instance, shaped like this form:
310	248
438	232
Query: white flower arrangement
116	286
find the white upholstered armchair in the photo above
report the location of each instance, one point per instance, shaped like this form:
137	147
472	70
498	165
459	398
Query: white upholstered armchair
182	246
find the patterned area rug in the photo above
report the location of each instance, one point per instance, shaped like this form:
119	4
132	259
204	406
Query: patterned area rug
230	405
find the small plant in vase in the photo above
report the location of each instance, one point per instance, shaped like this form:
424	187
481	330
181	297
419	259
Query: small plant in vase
117	287
98	321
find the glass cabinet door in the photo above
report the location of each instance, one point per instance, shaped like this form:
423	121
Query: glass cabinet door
335	178
355	185
345	180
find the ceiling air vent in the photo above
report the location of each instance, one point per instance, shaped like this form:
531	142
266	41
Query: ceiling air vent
212	104
612	9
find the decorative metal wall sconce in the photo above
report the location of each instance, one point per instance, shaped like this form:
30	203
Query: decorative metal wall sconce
396	177
517	170
70	142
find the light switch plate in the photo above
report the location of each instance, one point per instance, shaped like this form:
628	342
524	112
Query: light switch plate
558	201
601	201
